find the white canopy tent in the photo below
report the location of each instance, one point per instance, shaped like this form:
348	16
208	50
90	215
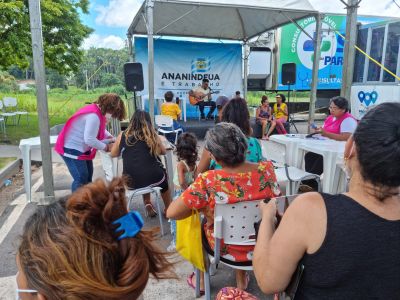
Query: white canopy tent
219	19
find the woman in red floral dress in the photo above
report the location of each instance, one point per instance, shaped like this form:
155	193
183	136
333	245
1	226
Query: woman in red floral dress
237	181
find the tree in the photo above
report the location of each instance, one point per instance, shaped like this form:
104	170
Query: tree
55	79
63	33
104	67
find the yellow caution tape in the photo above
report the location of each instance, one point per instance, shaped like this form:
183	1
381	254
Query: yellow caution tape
370	58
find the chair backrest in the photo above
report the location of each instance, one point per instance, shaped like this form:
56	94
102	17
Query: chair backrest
236	222
163	121
274	151
10	102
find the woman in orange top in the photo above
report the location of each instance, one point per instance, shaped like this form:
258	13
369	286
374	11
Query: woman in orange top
238	180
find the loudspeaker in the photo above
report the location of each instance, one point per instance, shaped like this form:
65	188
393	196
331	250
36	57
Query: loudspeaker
133	73
256	84
288	74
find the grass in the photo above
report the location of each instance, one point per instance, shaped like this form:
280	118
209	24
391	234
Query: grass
61	102
64	103
4	161
25	130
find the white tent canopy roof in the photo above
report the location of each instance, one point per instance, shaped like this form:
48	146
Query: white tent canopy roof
220	19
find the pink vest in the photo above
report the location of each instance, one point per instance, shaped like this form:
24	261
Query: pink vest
333	126
91	108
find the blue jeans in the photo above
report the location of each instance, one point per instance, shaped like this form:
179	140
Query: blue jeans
81	170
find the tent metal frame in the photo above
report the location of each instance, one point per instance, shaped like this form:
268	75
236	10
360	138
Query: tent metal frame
146	12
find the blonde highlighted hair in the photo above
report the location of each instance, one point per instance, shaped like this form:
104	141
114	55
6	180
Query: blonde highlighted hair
141	129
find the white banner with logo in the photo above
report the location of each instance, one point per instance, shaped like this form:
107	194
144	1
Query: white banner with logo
180	66
364	97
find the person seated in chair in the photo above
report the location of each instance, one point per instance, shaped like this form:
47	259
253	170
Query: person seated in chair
203	97
281	114
238	180
264	116
339	126
169	108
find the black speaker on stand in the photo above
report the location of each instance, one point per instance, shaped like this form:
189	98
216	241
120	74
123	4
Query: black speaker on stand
289	78
133	73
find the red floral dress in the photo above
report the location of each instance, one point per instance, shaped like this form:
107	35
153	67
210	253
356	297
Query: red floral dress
223	187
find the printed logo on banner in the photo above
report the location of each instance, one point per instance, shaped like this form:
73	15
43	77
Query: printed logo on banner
331	44
367	98
201	65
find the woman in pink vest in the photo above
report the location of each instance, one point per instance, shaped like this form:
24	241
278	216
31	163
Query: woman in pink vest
85	133
339	126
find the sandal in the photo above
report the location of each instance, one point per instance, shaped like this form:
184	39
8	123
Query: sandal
265	138
149	211
189	281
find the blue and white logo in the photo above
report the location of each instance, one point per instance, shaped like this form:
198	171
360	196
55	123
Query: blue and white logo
367	98
201	65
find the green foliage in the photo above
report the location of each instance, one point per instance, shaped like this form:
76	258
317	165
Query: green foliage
7	82
55	79
63	33
102	67
109	79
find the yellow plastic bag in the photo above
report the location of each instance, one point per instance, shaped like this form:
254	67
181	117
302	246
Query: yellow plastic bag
188	240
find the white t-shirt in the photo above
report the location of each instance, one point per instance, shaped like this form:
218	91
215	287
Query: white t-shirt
83	133
348	125
200	90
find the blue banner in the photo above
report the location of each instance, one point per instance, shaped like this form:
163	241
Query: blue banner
180	66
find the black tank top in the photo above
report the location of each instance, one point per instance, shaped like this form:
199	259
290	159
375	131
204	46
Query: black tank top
139	165
359	258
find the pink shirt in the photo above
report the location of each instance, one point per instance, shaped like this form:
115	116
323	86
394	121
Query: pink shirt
91	108
332	124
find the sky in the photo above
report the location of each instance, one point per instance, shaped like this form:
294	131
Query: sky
110	19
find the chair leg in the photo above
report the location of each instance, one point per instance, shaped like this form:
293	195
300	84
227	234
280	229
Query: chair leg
160	217
197	290
207	286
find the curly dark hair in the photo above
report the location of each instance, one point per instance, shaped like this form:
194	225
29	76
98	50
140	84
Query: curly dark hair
186	148
237	112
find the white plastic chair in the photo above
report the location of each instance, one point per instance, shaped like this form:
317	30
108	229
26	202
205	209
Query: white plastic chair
131	194
163	122
110	168
234	223
291	176
6	114
10	103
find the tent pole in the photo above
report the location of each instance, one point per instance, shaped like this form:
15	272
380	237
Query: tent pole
317	56
245	68
41	98
150	46
349	49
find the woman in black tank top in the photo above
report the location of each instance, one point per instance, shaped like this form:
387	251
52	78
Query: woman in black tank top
349	244
140	147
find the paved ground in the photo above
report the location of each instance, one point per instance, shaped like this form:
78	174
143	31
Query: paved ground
14	210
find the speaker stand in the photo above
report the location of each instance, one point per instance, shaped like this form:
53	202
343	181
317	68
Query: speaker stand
290	115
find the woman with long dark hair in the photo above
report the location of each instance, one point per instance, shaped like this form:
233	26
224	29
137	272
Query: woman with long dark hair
140	147
236	112
349	243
